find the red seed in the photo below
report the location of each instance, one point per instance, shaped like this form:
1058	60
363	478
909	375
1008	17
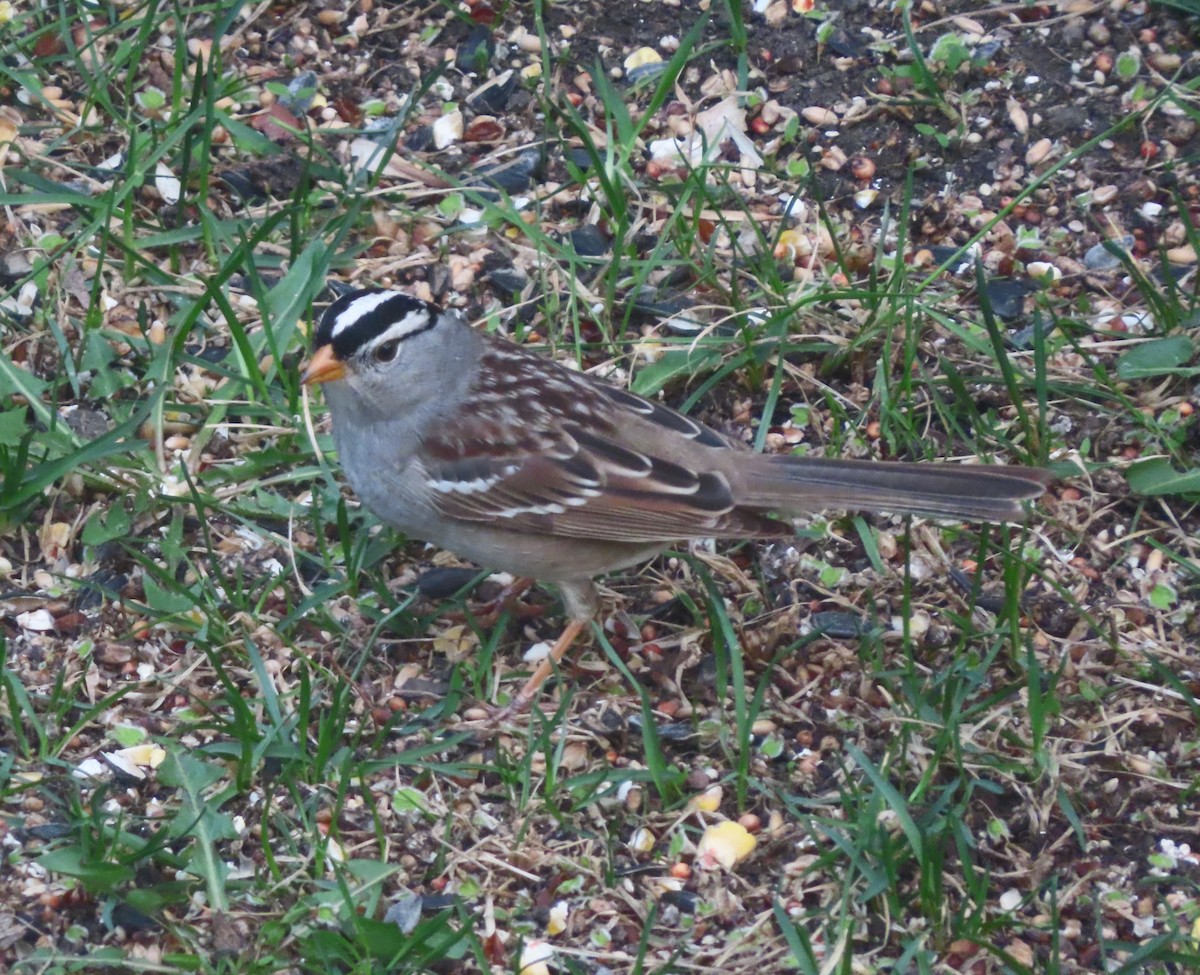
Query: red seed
862	168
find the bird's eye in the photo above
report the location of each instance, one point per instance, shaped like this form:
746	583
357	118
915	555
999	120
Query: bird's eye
386	352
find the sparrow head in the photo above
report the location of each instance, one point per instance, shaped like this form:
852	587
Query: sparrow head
364	332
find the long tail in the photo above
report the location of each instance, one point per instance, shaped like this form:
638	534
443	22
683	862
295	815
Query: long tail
970	492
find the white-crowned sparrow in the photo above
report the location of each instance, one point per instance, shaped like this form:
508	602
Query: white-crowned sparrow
468	441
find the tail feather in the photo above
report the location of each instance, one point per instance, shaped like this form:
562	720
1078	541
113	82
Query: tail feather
970	492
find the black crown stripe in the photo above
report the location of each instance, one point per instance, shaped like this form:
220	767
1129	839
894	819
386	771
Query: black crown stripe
370	325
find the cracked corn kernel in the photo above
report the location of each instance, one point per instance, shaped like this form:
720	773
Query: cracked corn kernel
724	845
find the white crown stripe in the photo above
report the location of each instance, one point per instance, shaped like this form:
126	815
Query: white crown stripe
359	307
410	324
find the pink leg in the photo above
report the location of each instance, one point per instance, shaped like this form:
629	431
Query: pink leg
544	669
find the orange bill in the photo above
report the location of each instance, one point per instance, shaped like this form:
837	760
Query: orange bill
323	367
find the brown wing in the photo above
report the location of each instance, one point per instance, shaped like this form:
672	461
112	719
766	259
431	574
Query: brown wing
565	466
